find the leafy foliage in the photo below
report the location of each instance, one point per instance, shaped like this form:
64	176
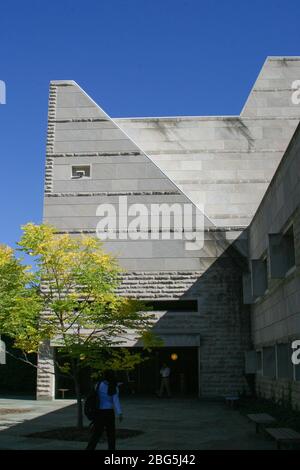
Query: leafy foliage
69	298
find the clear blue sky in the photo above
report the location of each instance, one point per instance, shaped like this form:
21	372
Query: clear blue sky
135	58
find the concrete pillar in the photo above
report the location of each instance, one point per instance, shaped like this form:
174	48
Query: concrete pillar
45	373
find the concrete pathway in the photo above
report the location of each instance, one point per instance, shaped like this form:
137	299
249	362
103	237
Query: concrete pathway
168	424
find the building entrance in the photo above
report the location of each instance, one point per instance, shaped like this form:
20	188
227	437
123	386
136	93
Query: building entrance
145	378
183	363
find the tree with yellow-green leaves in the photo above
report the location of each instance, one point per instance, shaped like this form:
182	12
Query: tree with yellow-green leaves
68	296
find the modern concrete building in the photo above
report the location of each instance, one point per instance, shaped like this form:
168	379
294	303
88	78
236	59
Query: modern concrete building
274	262
220	167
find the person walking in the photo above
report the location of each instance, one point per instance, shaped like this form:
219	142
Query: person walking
108	404
165	372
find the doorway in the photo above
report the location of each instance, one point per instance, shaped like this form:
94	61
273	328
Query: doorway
183	362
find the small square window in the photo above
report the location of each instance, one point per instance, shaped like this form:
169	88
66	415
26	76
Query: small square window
82	171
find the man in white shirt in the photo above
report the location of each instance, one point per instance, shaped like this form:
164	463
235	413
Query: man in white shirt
165	372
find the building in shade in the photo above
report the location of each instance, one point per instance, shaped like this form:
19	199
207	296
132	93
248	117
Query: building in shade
217	167
274	259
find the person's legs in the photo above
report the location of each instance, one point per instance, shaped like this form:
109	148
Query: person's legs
110	425
97	432
161	390
167	385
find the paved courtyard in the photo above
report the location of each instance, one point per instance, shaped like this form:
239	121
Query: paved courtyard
168	424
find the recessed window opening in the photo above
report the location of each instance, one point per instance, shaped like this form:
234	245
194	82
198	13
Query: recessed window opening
81	171
187	305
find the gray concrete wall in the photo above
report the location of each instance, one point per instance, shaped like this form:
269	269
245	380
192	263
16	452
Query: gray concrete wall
275	316
118	167
156	269
226	163
283	391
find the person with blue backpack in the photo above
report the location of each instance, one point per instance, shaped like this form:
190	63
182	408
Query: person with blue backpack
106	403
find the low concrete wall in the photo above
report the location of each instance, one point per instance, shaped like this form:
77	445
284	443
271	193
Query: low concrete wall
283	391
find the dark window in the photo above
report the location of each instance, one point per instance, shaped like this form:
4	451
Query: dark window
258	361
265	273
269	362
259	276
173	305
284	363
282	253
81	171
289	248
297	372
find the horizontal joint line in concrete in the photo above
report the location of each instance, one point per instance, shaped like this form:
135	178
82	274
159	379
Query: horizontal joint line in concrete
206	118
100	140
227	181
142	231
163	178
116	193
82	120
214	151
62	83
277	321
271	89
94	154
232	228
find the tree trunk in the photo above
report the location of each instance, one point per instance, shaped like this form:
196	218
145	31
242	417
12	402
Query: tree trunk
78	395
79	404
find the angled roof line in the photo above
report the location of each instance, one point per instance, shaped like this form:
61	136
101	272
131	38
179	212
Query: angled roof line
132	140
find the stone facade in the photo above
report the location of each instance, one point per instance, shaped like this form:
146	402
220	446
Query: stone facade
46	378
220	166
275	314
226	162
